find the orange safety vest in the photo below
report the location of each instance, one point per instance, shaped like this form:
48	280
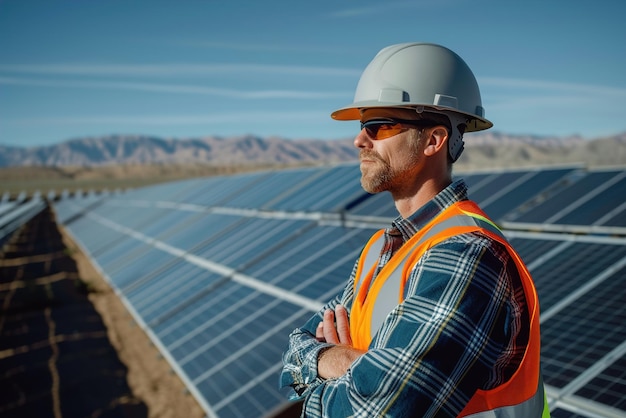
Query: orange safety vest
523	395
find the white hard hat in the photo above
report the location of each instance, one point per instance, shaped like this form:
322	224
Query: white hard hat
426	77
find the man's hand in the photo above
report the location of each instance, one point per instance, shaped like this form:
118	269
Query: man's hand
335	361
339	333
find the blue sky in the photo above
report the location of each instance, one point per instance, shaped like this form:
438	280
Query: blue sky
190	68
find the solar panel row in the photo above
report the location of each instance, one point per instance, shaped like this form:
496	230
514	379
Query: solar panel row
15	213
219	270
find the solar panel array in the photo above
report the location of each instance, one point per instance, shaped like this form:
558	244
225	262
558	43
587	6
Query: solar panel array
219	270
15	213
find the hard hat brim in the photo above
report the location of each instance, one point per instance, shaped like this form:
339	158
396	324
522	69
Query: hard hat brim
353	112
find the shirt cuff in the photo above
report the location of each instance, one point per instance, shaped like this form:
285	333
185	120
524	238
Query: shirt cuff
303	379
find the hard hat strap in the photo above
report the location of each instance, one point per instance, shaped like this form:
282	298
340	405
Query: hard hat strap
455	142
454	122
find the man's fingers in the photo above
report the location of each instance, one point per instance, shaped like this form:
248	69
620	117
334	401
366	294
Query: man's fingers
319	332
330	333
343	325
335	327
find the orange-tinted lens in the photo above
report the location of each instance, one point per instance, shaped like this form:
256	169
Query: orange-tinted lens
387	131
379	131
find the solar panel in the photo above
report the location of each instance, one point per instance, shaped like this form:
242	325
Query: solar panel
609	386
160	221
564	199
18	213
571	268
201	230
251	237
217	192
120	249
531	249
584	332
7	206
564	413
473	180
137	264
315	264
219	270
97	237
616	217
273	186
519	193
157	290
601	203
494	184
330	191
379	205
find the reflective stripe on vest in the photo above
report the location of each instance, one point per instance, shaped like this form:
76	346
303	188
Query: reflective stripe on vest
536	406
375	298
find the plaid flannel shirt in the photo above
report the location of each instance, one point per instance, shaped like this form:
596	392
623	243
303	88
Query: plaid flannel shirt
463	326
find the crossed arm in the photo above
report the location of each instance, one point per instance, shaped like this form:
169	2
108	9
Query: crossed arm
334	361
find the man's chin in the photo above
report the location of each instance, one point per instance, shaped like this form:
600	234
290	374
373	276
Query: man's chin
371	188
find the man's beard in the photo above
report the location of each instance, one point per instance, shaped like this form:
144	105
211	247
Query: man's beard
376	176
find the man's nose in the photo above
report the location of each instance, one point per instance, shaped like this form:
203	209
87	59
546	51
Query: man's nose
362	140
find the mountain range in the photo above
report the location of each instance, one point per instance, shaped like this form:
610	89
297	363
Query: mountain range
482	150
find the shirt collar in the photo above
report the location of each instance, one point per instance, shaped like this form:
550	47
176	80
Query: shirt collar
407	227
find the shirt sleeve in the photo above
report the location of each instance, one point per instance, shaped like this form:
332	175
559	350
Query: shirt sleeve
454	333
300	360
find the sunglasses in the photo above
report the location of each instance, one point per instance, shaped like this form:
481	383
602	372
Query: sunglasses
378	129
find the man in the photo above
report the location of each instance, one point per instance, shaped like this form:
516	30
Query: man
440	317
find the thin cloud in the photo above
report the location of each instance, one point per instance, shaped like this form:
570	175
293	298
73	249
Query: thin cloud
251	47
499	103
383	9
157	120
235	46
361	11
173	69
541	85
557	99
174	89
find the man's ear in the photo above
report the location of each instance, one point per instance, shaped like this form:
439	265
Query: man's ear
436	140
